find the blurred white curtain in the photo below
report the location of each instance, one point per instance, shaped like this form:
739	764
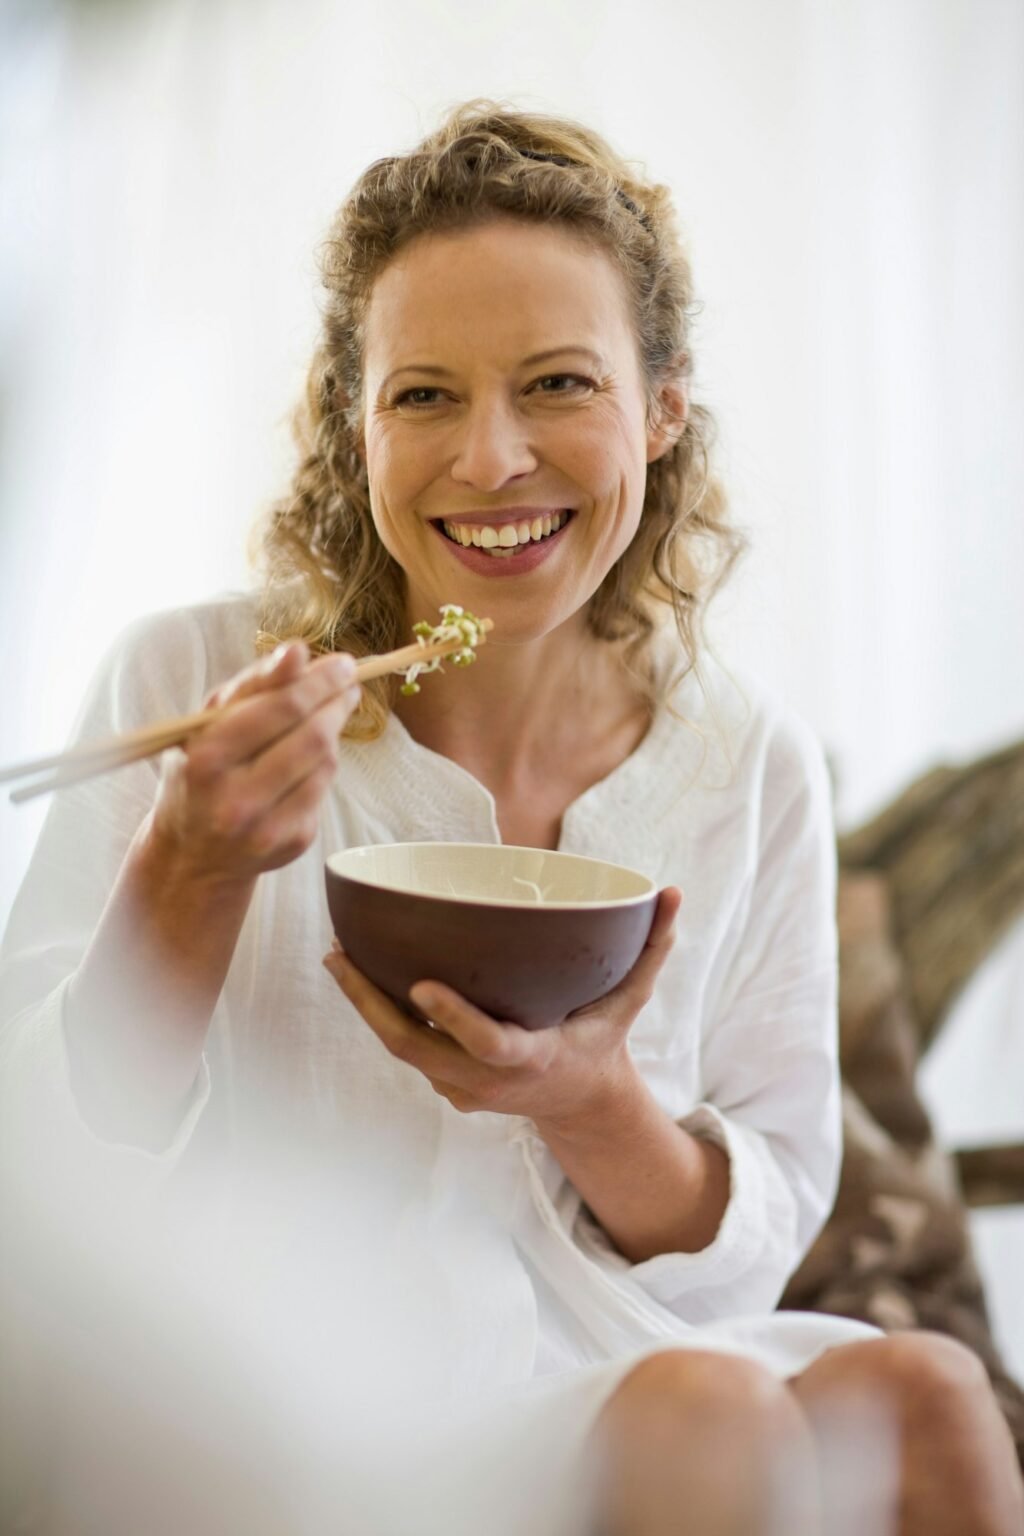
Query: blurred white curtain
851	176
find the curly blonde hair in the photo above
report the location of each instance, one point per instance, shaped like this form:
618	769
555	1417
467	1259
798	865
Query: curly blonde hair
328	579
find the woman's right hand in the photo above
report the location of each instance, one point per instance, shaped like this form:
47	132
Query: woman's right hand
243	795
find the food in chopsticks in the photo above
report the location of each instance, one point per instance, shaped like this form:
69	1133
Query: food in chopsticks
457	636
455	624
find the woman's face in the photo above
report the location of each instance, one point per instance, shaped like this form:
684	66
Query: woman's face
504	410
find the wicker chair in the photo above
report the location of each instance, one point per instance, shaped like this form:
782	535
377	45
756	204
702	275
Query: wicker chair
926	891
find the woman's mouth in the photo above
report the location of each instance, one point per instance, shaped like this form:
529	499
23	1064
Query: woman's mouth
505	541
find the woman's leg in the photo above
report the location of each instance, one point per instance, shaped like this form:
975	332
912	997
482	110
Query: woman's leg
716	1446
707	1444
958	1474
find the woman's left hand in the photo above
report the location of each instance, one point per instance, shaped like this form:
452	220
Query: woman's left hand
559	1076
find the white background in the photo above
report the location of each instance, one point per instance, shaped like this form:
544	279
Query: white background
850	174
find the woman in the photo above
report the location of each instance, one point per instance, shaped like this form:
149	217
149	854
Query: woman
499	415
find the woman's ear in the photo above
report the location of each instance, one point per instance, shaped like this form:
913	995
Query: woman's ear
667	422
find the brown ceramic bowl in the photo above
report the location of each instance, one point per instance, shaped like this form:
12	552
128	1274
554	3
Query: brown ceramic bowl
526	934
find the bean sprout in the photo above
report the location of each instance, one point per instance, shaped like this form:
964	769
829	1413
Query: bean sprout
455	624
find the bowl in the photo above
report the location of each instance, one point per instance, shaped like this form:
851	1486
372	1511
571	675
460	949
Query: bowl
526	934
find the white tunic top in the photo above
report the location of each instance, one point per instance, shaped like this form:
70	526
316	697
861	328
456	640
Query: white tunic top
476	1238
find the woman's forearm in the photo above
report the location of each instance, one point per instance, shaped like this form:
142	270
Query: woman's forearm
140	1003
653	1186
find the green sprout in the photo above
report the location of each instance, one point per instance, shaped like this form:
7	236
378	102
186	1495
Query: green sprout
456	624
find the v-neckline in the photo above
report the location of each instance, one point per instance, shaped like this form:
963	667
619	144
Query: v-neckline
438	799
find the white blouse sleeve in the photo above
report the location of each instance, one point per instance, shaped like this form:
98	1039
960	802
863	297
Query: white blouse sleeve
769	1072
156	669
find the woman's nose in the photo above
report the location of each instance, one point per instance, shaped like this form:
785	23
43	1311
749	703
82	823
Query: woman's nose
493	447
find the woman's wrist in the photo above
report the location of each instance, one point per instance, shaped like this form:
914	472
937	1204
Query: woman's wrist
164	864
619	1104
653	1186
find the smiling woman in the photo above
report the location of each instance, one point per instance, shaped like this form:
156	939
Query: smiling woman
419	266
493	449
591	1220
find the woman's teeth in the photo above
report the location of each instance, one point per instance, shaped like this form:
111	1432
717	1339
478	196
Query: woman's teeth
503	541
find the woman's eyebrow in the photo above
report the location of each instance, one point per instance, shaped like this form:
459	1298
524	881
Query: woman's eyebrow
435	371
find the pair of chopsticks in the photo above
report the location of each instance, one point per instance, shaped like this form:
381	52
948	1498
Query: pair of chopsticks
90	759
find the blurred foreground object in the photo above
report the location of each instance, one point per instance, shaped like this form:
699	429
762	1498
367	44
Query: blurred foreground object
926	891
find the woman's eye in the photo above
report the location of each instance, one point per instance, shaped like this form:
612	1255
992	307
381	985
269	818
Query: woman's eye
407	397
573	380
422	396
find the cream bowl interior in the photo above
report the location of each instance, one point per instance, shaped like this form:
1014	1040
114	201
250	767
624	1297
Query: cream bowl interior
494	874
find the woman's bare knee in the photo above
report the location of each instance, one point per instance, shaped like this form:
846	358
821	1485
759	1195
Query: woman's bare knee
924	1377
949	1445
679	1381
713	1435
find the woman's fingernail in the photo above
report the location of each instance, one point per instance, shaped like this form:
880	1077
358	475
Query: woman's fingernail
424	997
342	670
285	651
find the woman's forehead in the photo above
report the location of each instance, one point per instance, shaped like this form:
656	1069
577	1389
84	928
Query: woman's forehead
525	284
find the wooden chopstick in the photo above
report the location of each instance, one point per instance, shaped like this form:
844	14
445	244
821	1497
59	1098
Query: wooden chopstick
107	756
89	759
115	746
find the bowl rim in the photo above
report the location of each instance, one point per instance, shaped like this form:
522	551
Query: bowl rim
605	903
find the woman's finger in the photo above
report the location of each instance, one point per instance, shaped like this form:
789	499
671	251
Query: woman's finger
459	1098
254	722
284	665
266	779
636	988
493	1044
287	829
430	1051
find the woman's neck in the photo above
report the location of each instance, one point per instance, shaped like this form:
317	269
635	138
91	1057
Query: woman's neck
523	712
